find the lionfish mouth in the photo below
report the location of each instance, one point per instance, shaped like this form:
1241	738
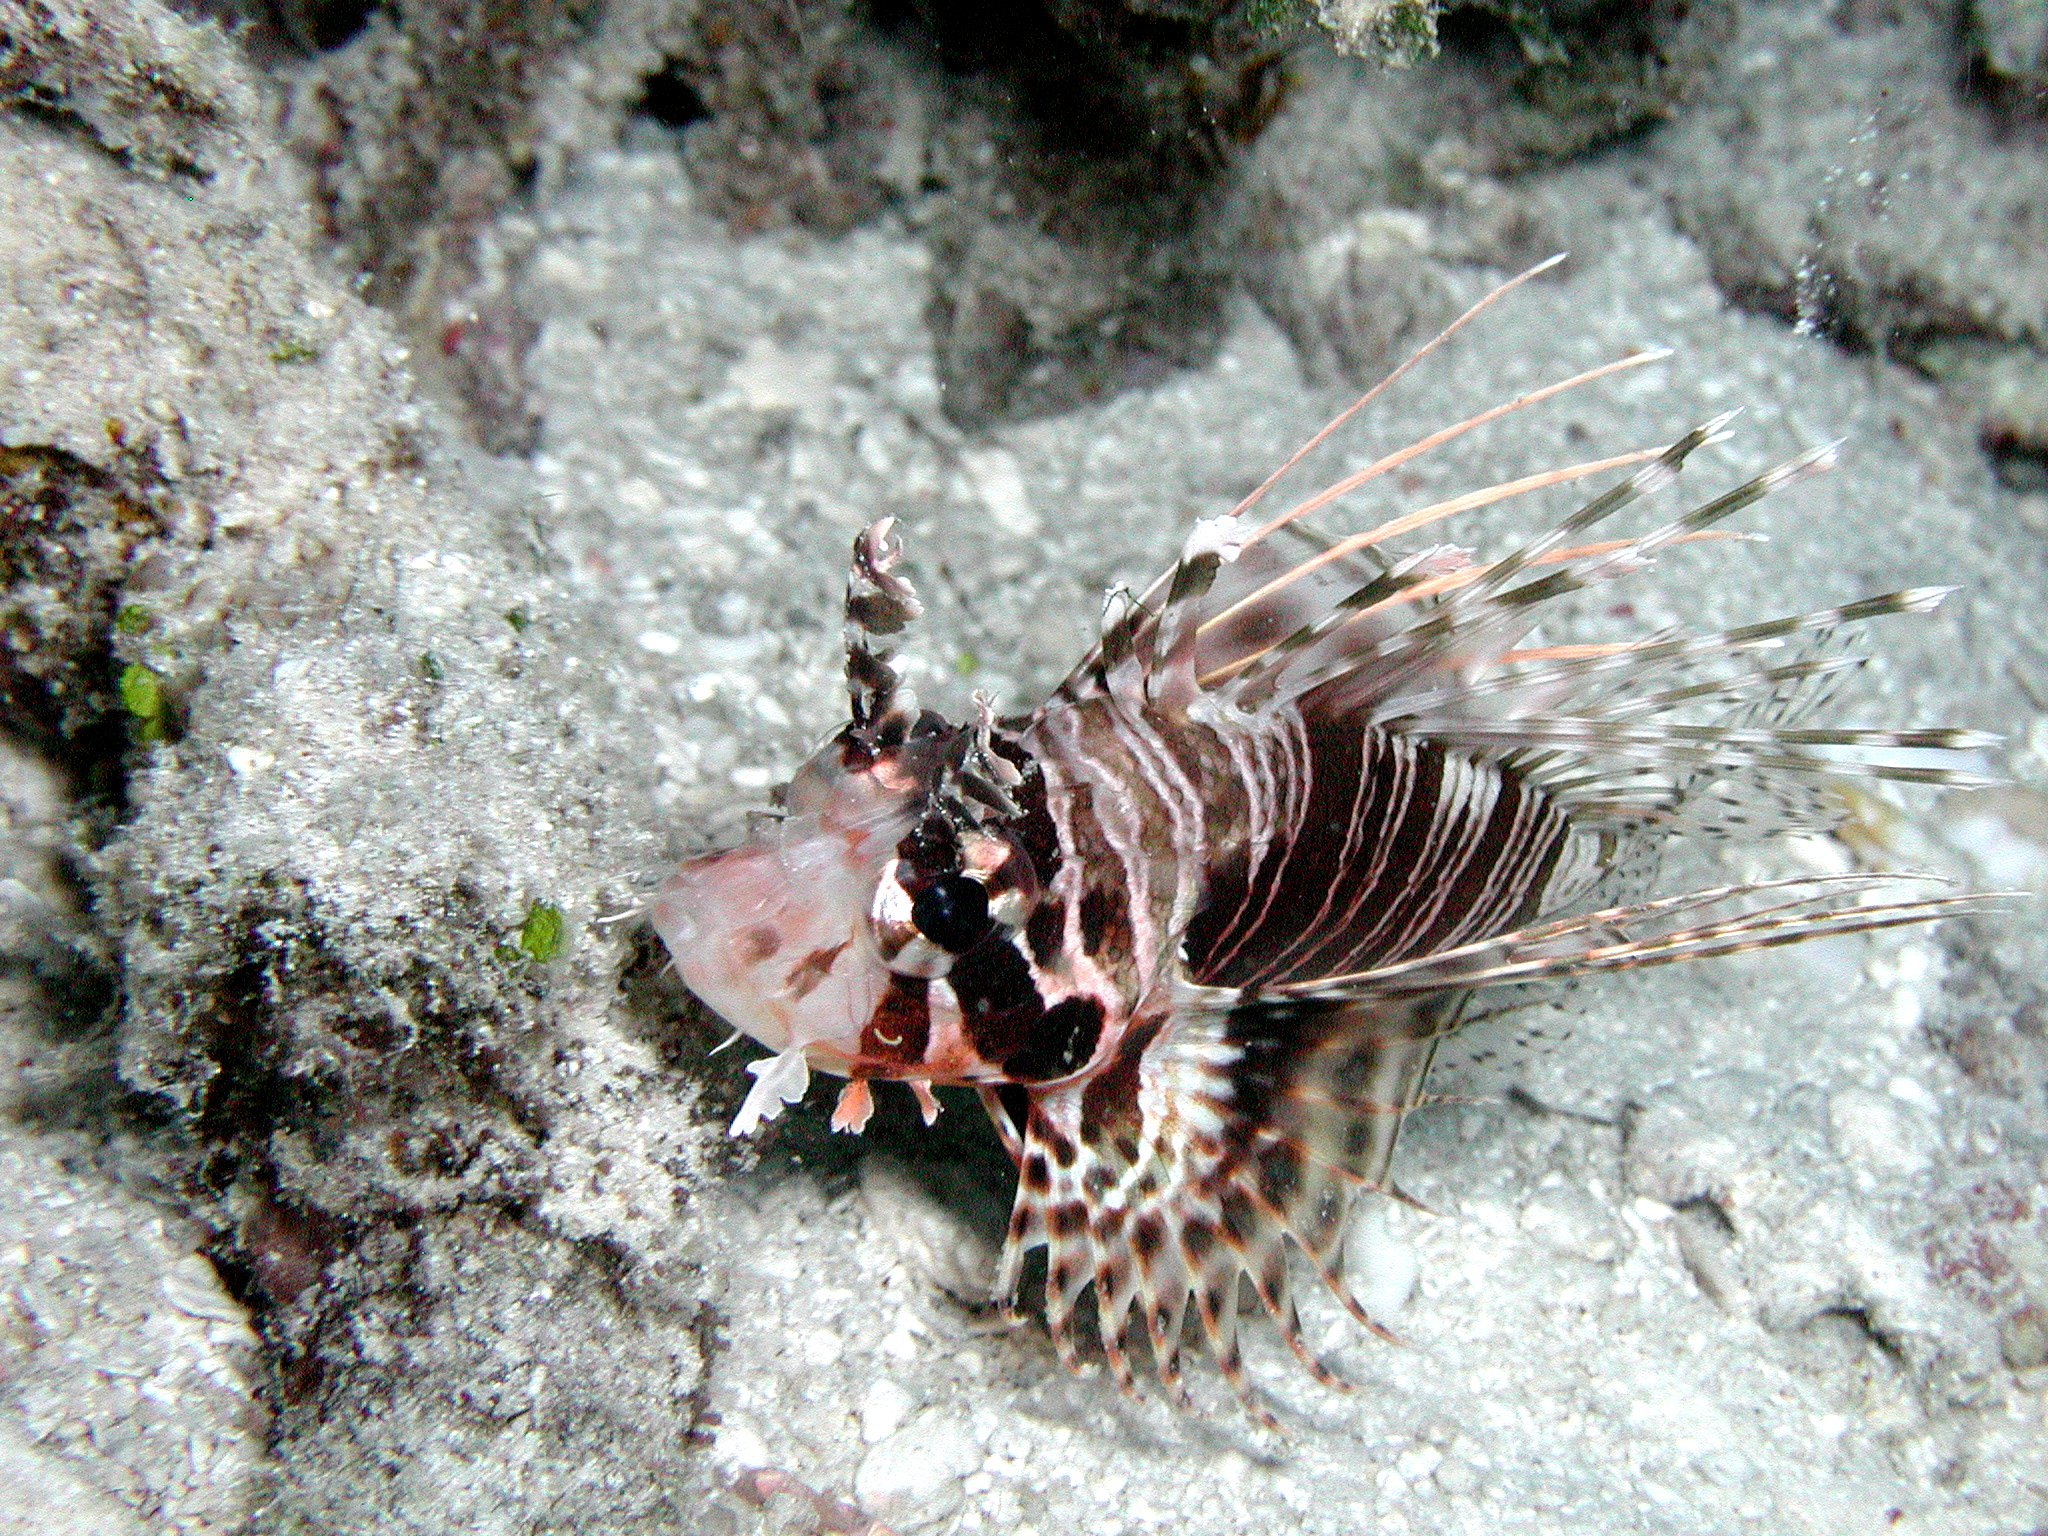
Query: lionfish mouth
1196	925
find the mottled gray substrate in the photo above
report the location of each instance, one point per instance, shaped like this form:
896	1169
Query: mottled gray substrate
1758	1247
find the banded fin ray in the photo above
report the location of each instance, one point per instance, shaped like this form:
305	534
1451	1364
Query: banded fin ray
1119	636
1137	633
1234	1131
1260	675
1640	934
1476	615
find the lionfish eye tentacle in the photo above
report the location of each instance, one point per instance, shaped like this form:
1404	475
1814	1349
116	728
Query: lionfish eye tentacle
878	602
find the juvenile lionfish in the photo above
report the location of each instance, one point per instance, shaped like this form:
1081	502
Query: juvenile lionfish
1195	926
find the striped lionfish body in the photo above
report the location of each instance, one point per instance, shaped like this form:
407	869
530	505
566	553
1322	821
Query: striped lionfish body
1195	926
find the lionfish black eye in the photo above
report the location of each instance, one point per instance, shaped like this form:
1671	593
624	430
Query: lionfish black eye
952	912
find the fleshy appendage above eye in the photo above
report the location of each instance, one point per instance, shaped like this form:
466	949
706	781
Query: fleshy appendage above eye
922	922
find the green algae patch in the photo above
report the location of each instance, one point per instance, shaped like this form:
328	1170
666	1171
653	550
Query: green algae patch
544	936
142	695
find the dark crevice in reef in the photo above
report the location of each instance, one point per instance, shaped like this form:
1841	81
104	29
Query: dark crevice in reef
71	536
318	25
52	111
668	98
60	961
278	31
76	685
793	106
1558	81
2020	463
1106	82
1079	176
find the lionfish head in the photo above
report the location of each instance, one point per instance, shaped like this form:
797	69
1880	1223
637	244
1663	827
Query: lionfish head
888	861
894	854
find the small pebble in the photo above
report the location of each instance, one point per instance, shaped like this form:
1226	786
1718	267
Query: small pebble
1418	1462
883	1410
1908	1091
1876	1133
1380	1268
741	1447
245	761
1573	1223
2024	1339
1456	1478
900	1345
193	1286
913	1478
998	483
822	1348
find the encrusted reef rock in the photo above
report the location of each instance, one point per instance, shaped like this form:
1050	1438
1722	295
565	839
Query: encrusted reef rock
1840	181
316	678
1078	170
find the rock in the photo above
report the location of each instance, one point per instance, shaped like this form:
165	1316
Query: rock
2001	382
146	84
912	1479
1806	1225
1879	1132
1836	179
883	1409
1570	1221
1355	300
2011	41
2023	1339
938	1245
1398	31
41	1496
321	1011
